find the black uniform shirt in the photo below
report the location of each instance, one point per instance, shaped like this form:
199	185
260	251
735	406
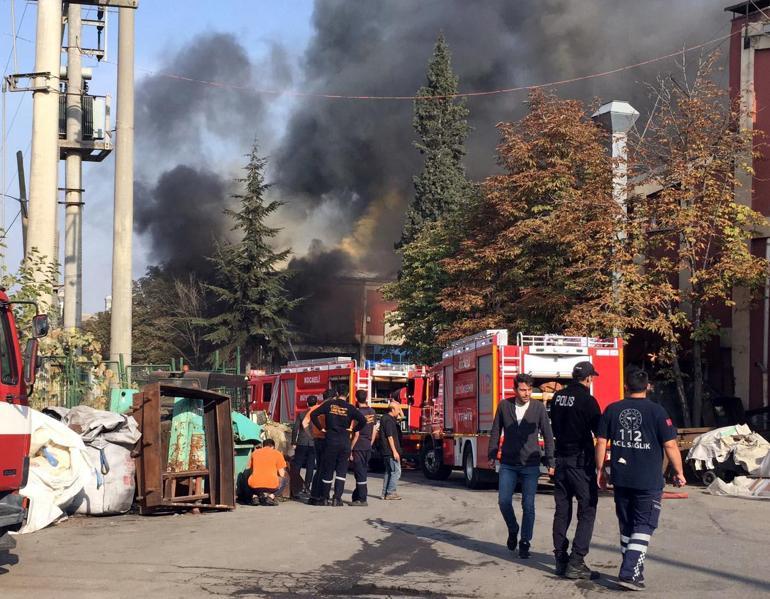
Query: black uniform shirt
575	415
637	430
339	416
364	442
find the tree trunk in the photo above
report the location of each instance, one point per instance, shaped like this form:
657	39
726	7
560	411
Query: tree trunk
680	385
697	367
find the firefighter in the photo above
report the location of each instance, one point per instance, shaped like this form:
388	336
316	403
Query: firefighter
304	447
362	449
640	431
319	445
339	416
520	421
575	417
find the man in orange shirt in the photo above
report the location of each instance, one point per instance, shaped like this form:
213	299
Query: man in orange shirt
268	473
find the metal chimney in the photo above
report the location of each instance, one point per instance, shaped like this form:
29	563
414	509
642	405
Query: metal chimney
618	117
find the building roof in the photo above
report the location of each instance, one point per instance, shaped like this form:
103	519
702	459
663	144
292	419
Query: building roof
749	7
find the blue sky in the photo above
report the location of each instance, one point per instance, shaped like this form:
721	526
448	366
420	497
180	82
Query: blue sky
162	26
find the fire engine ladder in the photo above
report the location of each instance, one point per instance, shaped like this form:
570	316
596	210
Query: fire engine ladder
510	366
362	380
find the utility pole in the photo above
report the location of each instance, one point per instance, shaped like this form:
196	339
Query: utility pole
73	219
120	324
45	137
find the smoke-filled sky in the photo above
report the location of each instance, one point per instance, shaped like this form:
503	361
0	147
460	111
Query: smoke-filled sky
343	168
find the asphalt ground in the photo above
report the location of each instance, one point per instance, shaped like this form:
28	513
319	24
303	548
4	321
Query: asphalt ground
441	540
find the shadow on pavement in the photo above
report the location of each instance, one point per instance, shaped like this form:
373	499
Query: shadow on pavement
538	561
763	585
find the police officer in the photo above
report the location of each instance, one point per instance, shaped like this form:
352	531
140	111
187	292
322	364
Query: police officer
362	449
319	445
640	431
339	417
575	416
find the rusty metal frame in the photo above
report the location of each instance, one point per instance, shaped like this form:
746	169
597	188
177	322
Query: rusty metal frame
155	486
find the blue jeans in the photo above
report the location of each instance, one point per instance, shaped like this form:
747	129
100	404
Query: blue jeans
392	474
509	475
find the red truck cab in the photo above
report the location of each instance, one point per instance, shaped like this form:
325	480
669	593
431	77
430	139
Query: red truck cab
17	377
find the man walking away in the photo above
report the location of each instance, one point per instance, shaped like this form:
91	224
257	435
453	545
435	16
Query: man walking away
304	450
639	431
319	445
520	421
390	447
340	418
575	416
362	450
268	474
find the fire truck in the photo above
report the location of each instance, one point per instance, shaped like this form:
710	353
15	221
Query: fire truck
476	372
282	395
17	377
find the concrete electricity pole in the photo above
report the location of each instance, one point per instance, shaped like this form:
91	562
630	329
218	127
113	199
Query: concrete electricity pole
73	220
45	137
120	325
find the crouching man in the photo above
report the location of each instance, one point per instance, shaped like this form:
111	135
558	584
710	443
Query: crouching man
268	476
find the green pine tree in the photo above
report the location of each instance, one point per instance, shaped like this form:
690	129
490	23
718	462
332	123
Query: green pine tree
440	121
252	301
442	197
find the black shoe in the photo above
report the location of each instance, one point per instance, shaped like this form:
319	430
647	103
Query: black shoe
359	503
577	569
524	549
336	503
631	585
561	568
512	541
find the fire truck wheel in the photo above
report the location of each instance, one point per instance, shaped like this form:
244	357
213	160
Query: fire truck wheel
432	465
471	474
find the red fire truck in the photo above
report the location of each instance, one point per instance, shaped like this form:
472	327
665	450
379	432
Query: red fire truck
285	393
475	373
17	377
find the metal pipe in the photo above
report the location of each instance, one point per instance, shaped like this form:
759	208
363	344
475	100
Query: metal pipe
73	219
123	220
45	140
766	331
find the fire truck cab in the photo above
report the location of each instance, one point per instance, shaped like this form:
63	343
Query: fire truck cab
476	372
17	377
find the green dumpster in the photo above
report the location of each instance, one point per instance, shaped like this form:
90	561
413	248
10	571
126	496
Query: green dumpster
121	400
246	434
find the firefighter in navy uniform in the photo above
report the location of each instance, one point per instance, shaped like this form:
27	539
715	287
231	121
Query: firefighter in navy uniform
319	445
640	431
362	450
575	418
339	417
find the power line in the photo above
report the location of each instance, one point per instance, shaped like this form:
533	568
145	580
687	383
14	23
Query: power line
21	21
13	222
473	94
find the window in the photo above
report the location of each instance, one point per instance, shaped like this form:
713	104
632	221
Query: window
9	372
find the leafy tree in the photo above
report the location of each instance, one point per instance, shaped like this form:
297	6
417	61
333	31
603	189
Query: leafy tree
252	301
692	236
542	252
442	195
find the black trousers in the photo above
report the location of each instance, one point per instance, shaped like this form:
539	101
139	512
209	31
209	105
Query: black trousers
574	478
304	457
360	470
334	468
320	448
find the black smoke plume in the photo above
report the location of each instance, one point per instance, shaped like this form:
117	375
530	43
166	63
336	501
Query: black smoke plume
182	217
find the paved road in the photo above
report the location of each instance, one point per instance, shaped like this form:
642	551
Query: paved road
440	541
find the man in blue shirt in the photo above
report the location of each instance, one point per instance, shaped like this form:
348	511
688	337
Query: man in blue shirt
639	431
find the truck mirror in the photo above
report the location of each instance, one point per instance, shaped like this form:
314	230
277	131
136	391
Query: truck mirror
30	364
40	325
